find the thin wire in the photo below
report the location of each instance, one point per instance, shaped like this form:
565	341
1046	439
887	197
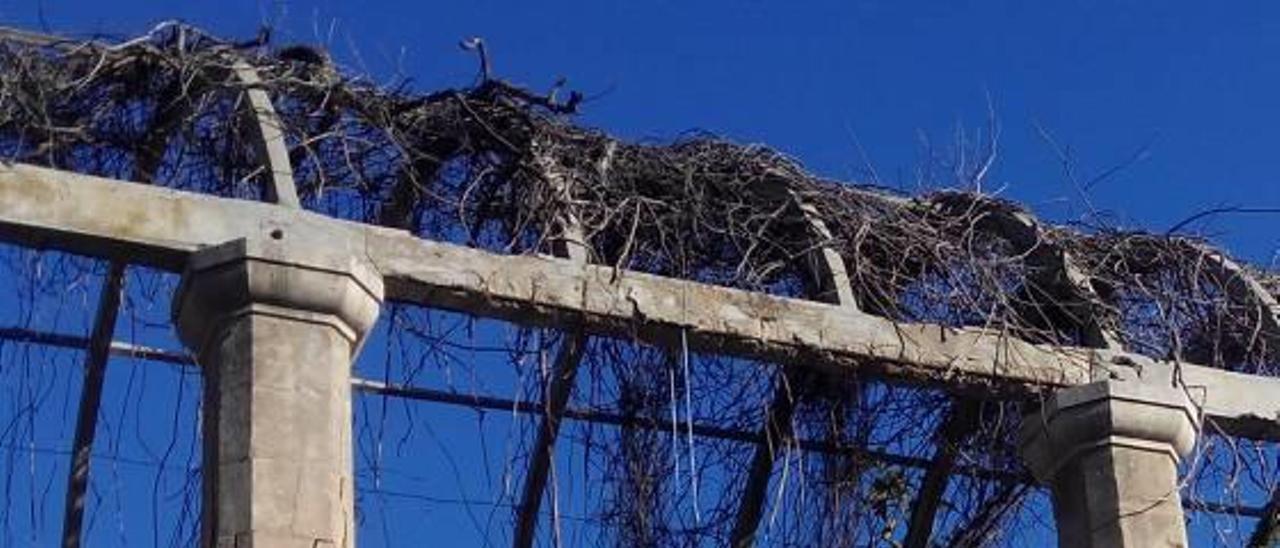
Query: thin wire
688	415
675	429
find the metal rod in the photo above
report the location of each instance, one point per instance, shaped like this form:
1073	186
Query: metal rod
961	421
561	384
95	371
126	350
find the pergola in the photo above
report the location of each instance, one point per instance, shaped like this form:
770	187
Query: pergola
269	287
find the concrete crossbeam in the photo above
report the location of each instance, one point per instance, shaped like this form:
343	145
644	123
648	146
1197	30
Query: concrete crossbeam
47	208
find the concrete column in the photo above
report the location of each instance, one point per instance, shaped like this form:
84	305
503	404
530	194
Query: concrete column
1109	451
276	324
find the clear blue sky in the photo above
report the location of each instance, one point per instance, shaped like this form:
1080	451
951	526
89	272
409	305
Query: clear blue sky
842	86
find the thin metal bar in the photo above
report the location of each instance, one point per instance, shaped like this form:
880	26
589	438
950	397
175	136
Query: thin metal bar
99	349
563	375
614	419
715	432
777	434
961	420
117	348
127	350
95	369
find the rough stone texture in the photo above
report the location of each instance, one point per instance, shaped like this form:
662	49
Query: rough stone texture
269	142
1109	450
276	327
162	227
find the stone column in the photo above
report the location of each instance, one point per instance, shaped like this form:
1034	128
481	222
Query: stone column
276	325
1109	451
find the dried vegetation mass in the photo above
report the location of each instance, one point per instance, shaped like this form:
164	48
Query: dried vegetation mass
498	166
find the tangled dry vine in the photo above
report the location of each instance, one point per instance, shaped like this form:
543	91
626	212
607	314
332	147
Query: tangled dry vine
499	166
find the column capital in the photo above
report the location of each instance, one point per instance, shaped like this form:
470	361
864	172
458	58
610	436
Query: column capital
275	276
1140	414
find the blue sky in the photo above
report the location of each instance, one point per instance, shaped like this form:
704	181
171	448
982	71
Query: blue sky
851	89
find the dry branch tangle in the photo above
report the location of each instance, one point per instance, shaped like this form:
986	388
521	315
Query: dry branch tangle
961	291
471	161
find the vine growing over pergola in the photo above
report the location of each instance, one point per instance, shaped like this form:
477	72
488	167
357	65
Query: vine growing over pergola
786	455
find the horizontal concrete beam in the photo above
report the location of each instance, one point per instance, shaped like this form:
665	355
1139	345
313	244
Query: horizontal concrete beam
158	227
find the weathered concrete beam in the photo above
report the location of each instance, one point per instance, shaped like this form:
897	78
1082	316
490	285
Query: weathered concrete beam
268	138
1052	271
1245	291
158	227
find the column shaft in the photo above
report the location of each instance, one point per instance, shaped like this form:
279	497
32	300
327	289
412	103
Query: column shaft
1119	496
1109	451
276	329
